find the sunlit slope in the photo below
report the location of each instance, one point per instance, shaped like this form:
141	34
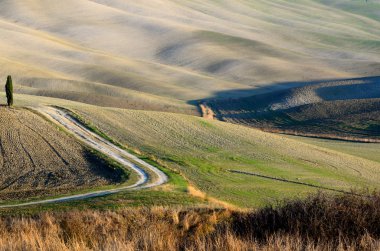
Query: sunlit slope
181	50
204	152
363	150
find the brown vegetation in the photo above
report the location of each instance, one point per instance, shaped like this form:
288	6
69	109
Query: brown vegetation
38	159
206	112
320	222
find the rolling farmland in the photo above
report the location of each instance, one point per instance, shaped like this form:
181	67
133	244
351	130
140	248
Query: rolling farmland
183	52
167	125
204	151
163	55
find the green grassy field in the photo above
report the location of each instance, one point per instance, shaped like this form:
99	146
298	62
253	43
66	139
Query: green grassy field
204	151
173	194
363	150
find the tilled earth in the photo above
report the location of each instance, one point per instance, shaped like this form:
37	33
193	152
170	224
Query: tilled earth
36	158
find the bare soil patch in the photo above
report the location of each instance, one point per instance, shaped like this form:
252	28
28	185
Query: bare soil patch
37	158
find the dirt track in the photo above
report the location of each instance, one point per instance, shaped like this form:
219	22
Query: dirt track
149	176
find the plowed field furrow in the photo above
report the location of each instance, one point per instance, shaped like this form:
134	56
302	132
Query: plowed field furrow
49	144
27	152
37	159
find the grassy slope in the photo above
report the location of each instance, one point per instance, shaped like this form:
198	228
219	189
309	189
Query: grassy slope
203	151
363	150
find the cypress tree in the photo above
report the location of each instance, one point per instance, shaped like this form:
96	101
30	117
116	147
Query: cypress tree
9	91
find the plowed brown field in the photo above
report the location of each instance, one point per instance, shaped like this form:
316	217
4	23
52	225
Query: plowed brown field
36	158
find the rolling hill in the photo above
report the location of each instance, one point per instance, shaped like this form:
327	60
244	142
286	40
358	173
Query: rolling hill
347	109
206	152
164	54
102	86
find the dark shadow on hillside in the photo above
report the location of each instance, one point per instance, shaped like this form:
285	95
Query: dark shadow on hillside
372	82
346	109
355	91
104	167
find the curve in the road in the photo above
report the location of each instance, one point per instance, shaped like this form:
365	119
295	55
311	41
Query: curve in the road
142	168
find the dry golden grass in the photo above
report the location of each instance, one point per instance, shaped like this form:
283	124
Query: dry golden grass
317	223
38	159
193	191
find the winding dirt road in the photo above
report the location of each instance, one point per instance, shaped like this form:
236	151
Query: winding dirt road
148	175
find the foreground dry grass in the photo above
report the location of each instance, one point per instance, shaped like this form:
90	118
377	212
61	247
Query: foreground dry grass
317	223
37	158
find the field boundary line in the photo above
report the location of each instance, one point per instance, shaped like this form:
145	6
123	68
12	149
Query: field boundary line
319	136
